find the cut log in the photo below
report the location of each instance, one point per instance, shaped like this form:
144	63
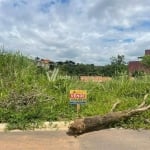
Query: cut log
80	126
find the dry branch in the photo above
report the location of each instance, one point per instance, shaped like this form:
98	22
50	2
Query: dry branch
88	124
19	101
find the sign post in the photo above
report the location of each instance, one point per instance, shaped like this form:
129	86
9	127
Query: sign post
78	108
78	97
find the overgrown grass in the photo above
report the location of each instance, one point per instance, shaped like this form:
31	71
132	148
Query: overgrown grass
27	98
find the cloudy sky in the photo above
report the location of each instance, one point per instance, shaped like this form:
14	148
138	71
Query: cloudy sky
85	31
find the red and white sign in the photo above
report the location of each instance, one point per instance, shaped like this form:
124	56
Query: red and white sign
77	96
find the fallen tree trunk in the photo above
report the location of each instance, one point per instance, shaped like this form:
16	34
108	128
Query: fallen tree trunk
88	124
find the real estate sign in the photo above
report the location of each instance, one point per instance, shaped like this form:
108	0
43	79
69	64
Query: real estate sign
78	96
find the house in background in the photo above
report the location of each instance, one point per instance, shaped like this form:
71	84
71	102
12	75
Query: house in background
137	66
147	52
44	63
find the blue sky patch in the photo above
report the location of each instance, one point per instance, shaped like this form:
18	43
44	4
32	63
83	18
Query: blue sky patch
123	29
118	28
145	24
64	1
19	3
44	7
128	40
109	40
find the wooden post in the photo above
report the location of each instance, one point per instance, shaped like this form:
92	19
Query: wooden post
78	108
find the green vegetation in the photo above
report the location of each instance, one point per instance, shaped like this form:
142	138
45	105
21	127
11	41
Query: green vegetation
146	60
117	66
27	98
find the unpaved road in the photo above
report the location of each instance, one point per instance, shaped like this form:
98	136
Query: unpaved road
111	139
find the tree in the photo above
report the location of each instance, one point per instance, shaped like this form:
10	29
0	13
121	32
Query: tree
119	60
146	60
118	65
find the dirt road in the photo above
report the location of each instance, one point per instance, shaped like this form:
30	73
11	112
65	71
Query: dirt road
111	139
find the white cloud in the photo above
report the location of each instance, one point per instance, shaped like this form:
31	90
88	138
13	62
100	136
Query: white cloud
81	30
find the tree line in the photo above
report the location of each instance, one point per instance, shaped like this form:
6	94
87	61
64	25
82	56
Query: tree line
116	67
